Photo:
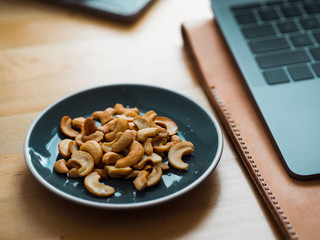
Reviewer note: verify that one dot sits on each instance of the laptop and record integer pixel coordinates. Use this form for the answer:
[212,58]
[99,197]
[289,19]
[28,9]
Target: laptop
[276,45]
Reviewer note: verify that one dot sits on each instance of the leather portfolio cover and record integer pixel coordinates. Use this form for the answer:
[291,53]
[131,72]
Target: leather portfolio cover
[294,204]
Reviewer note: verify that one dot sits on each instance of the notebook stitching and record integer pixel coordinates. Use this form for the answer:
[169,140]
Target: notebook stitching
[256,170]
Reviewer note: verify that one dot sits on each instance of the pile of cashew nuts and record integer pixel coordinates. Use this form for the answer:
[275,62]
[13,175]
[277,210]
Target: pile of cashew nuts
[120,143]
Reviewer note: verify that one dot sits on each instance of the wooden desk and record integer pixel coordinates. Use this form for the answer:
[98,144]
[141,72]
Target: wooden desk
[47,52]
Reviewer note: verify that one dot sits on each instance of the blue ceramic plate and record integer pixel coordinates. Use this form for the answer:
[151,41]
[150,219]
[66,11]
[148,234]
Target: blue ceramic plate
[195,123]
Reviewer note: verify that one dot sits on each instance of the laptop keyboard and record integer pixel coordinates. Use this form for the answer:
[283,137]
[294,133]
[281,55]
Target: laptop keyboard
[284,37]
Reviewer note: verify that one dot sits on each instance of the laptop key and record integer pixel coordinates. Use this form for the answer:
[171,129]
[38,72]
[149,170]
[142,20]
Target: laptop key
[245,18]
[310,23]
[315,53]
[281,59]
[300,73]
[269,45]
[316,68]
[290,11]
[288,27]
[267,15]
[258,31]
[317,36]
[312,8]
[301,40]
[276,76]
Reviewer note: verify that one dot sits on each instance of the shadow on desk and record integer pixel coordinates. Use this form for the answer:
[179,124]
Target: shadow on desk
[52,215]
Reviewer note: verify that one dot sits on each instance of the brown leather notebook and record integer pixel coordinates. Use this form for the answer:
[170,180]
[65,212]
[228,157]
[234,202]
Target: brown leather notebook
[294,204]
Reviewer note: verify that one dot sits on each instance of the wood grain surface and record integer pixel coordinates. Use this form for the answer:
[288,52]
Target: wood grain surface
[46,52]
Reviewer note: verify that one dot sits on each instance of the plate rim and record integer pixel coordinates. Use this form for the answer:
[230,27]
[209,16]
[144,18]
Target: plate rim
[90,203]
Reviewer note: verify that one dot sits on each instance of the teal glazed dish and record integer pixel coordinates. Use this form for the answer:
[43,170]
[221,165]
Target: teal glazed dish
[195,123]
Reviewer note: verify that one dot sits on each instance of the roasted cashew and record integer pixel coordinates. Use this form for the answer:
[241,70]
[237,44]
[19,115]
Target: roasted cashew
[94,149]
[92,184]
[135,153]
[144,133]
[107,146]
[124,141]
[73,146]
[147,145]
[114,172]
[64,148]
[163,165]
[160,146]
[155,176]
[97,136]
[65,127]
[104,116]
[167,123]
[132,126]
[130,112]
[141,122]
[148,167]
[150,117]
[101,172]
[89,126]
[78,139]
[60,166]
[81,164]
[176,153]
[117,125]
[77,123]
[140,182]
[161,135]
[132,174]
[154,158]
[111,158]
[127,118]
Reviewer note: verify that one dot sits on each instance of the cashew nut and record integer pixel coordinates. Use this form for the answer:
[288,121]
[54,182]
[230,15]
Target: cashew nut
[132,174]
[78,139]
[77,123]
[81,164]
[97,136]
[162,146]
[111,158]
[101,172]
[135,153]
[154,158]
[92,184]
[176,153]
[114,172]
[141,122]
[127,118]
[144,133]
[155,176]
[61,166]
[73,146]
[140,182]
[130,112]
[89,126]
[163,165]
[170,125]
[147,145]
[107,146]
[124,141]
[117,125]
[150,117]
[94,149]
[104,116]
[65,127]
[162,134]
[64,148]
